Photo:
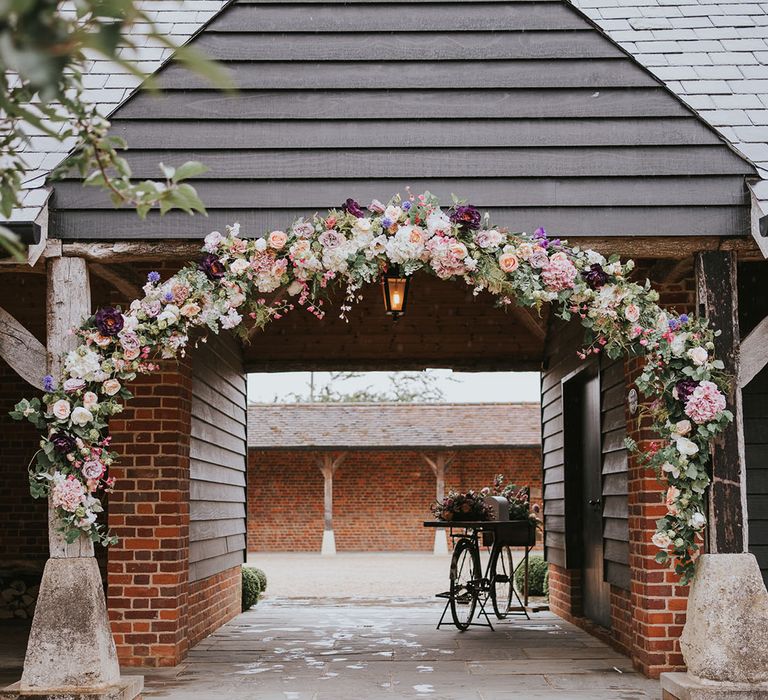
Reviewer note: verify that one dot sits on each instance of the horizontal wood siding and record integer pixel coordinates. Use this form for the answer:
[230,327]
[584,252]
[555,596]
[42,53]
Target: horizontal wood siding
[217,458]
[561,360]
[615,502]
[522,107]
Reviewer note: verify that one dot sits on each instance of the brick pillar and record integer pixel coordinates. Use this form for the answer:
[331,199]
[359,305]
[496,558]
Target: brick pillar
[148,571]
[657,601]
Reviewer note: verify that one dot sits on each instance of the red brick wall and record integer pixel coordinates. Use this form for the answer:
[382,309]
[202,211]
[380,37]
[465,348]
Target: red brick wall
[148,571]
[212,602]
[392,489]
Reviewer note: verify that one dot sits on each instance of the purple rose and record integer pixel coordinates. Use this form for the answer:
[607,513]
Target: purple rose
[109,321]
[212,267]
[466,216]
[685,387]
[352,207]
[595,277]
[63,443]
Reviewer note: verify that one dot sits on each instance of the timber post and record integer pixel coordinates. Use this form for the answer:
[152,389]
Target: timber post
[717,300]
[70,648]
[328,465]
[439,465]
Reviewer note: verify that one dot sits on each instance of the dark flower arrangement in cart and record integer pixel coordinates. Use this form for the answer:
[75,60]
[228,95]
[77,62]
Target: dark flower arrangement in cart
[457,506]
[519,499]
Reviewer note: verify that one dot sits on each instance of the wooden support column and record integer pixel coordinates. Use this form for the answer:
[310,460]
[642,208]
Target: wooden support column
[328,464]
[717,300]
[21,350]
[70,643]
[439,465]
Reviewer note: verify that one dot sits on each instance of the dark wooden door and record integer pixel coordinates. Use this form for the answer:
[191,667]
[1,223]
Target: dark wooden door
[596,592]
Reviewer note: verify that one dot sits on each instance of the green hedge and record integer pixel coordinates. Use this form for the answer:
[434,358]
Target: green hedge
[538,576]
[251,587]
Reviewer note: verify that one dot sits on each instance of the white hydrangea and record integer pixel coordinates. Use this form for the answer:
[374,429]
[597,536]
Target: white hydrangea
[336,259]
[438,222]
[407,244]
[83,363]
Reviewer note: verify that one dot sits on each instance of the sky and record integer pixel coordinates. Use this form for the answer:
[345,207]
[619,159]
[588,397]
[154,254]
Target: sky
[458,387]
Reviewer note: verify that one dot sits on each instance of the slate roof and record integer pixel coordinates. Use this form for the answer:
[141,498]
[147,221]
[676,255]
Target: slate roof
[392,425]
[107,85]
[712,54]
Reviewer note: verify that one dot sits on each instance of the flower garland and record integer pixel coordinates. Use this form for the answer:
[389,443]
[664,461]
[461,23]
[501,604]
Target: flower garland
[352,246]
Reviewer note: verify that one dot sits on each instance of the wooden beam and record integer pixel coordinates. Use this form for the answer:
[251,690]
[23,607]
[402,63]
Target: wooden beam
[652,247]
[21,350]
[328,464]
[68,303]
[718,301]
[134,251]
[754,353]
[531,321]
[671,271]
[439,466]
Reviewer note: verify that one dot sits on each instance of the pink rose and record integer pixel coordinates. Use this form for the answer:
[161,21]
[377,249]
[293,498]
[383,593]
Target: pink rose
[132,354]
[90,399]
[129,340]
[508,262]
[632,313]
[277,240]
[671,500]
[92,469]
[110,387]
[61,409]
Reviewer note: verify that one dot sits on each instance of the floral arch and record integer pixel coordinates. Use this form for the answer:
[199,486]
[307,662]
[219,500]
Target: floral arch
[353,246]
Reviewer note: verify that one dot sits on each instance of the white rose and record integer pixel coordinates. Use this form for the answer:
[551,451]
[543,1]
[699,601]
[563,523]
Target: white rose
[81,416]
[169,315]
[678,344]
[686,447]
[438,222]
[61,409]
[260,244]
[111,387]
[670,468]
[697,521]
[130,322]
[594,258]
[683,427]
[362,226]
[661,540]
[90,399]
[698,355]
[239,266]
[393,213]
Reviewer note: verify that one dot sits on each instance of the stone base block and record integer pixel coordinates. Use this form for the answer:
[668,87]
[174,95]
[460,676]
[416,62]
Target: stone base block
[127,688]
[681,686]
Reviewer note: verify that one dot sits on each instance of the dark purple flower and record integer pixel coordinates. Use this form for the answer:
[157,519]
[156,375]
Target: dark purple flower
[109,321]
[212,267]
[466,216]
[540,232]
[595,277]
[63,443]
[153,277]
[685,387]
[352,207]
[48,383]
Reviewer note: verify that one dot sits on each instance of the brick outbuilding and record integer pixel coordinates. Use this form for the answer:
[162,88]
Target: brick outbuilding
[377,467]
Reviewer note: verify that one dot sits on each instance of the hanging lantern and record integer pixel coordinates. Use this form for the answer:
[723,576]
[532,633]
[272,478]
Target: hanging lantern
[394,285]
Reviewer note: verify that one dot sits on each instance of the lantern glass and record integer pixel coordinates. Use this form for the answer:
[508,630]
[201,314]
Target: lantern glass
[395,289]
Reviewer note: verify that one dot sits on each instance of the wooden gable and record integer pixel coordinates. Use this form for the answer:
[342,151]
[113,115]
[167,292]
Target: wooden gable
[522,107]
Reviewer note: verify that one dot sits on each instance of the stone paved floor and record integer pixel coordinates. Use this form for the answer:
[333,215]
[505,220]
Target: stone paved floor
[369,649]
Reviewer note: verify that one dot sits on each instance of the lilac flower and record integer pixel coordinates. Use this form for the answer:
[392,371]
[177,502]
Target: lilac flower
[684,318]
[153,277]
[352,207]
[109,321]
[466,216]
[48,384]
[540,232]
[406,205]
[595,276]
[168,296]
[556,242]
[386,222]
[63,443]
[212,267]
[673,324]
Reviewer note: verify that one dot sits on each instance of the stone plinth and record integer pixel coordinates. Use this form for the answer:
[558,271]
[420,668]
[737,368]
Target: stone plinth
[683,686]
[127,688]
[70,644]
[725,637]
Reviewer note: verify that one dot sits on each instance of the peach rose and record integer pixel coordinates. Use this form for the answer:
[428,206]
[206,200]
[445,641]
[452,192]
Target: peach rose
[277,240]
[508,262]
[111,387]
[189,310]
[90,399]
[61,409]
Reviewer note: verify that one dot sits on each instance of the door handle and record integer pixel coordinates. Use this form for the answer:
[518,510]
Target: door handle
[594,502]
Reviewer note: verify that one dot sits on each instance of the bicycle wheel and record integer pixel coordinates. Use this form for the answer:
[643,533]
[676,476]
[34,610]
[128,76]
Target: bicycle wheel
[465,582]
[502,581]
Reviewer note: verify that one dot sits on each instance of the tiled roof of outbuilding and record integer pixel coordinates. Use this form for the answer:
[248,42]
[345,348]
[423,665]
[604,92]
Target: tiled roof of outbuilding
[393,425]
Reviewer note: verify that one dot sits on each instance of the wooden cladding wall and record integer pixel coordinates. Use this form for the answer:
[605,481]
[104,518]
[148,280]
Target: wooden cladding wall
[217,458]
[562,515]
[755,398]
[615,502]
[524,108]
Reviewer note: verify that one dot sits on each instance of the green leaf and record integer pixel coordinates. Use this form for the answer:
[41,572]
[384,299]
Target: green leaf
[189,169]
